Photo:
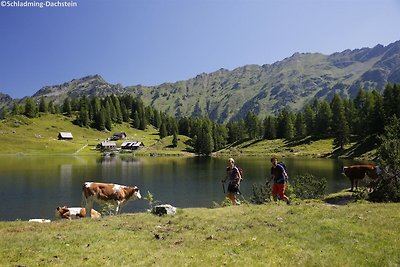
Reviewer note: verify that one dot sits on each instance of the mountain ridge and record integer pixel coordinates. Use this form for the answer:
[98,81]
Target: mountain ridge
[225,95]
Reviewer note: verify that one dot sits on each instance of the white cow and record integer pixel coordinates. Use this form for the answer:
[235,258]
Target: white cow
[114,194]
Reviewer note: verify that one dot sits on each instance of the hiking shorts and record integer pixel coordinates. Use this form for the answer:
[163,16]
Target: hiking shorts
[233,188]
[279,190]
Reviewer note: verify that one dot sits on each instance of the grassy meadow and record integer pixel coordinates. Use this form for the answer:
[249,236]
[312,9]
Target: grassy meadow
[21,135]
[308,233]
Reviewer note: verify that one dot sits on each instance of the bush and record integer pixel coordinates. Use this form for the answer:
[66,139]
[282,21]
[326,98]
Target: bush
[261,194]
[387,187]
[308,186]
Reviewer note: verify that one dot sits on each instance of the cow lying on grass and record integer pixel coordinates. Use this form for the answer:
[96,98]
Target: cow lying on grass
[114,194]
[358,172]
[75,213]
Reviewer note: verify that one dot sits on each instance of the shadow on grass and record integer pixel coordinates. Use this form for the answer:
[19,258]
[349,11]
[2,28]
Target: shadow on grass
[303,141]
[342,198]
[358,149]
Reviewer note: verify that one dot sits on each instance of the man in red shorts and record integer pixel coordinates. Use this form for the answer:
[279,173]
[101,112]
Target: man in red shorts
[280,177]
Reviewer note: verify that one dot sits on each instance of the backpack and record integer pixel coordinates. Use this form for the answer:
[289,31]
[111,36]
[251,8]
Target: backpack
[284,166]
[240,172]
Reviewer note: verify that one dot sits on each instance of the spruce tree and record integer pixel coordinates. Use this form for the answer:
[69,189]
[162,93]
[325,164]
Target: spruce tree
[340,128]
[300,126]
[30,108]
[43,105]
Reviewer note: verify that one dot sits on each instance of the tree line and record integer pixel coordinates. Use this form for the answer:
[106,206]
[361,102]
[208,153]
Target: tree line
[340,118]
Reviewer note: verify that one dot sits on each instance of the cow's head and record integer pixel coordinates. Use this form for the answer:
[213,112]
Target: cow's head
[60,211]
[374,173]
[136,193]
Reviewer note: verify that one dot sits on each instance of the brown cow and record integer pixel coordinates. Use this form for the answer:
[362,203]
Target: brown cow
[358,172]
[114,194]
[74,213]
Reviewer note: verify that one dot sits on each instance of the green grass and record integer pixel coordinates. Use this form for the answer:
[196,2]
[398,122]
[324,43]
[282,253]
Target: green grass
[298,148]
[306,234]
[21,135]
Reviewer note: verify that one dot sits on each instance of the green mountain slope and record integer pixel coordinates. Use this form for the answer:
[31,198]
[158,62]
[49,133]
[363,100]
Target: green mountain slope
[224,95]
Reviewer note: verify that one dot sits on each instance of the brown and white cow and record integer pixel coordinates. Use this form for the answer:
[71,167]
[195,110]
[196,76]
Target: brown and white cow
[358,172]
[75,213]
[114,194]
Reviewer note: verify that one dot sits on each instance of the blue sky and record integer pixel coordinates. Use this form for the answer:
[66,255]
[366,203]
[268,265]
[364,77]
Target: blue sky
[154,41]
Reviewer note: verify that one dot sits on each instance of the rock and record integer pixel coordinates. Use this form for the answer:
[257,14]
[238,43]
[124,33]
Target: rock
[40,220]
[165,209]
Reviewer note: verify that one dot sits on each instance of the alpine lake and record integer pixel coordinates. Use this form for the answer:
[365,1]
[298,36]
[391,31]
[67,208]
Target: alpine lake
[34,186]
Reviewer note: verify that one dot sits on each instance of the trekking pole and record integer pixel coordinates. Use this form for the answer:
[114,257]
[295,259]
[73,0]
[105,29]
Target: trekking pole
[223,187]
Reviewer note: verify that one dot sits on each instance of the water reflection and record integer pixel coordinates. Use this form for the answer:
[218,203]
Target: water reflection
[33,186]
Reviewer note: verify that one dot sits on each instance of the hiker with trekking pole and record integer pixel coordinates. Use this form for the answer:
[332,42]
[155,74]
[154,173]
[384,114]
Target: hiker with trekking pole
[280,177]
[233,174]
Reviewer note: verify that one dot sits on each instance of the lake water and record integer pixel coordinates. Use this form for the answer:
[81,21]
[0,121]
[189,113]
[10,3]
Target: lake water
[33,186]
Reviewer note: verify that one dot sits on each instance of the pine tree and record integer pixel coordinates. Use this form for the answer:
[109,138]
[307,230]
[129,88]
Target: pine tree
[51,108]
[300,126]
[163,129]
[43,105]
[309,119]
[125,113]
[83,117]
[251,124]
[16,109]
[136,120]
[270,128]
[175,140]
[30,108]
[323,120]
[67,109]
[340,128]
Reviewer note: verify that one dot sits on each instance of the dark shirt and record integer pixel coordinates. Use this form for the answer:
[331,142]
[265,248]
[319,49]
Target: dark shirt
[278,173]
[232,174]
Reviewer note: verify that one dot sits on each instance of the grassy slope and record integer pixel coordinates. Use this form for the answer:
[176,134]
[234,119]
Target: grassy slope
[307,234]
[300,148]
[21,135]
[39,136]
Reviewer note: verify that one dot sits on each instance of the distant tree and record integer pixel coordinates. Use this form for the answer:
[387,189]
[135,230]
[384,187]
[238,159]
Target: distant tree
[309,119]
[236,131]
[43,107]
[251,122]
[350,114]
[300,126]
[163,129]
[125,113]
[391,100]
[340,128]
[269,128]
[67,109]
[136,120]
[285,125]
[83,117]
[184,126]
[220,136]
[157,119]
[51,107]
[172,125]
[175,140]
[377,115]
[323,120]
[204,142]
[17,109]
[30,108]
